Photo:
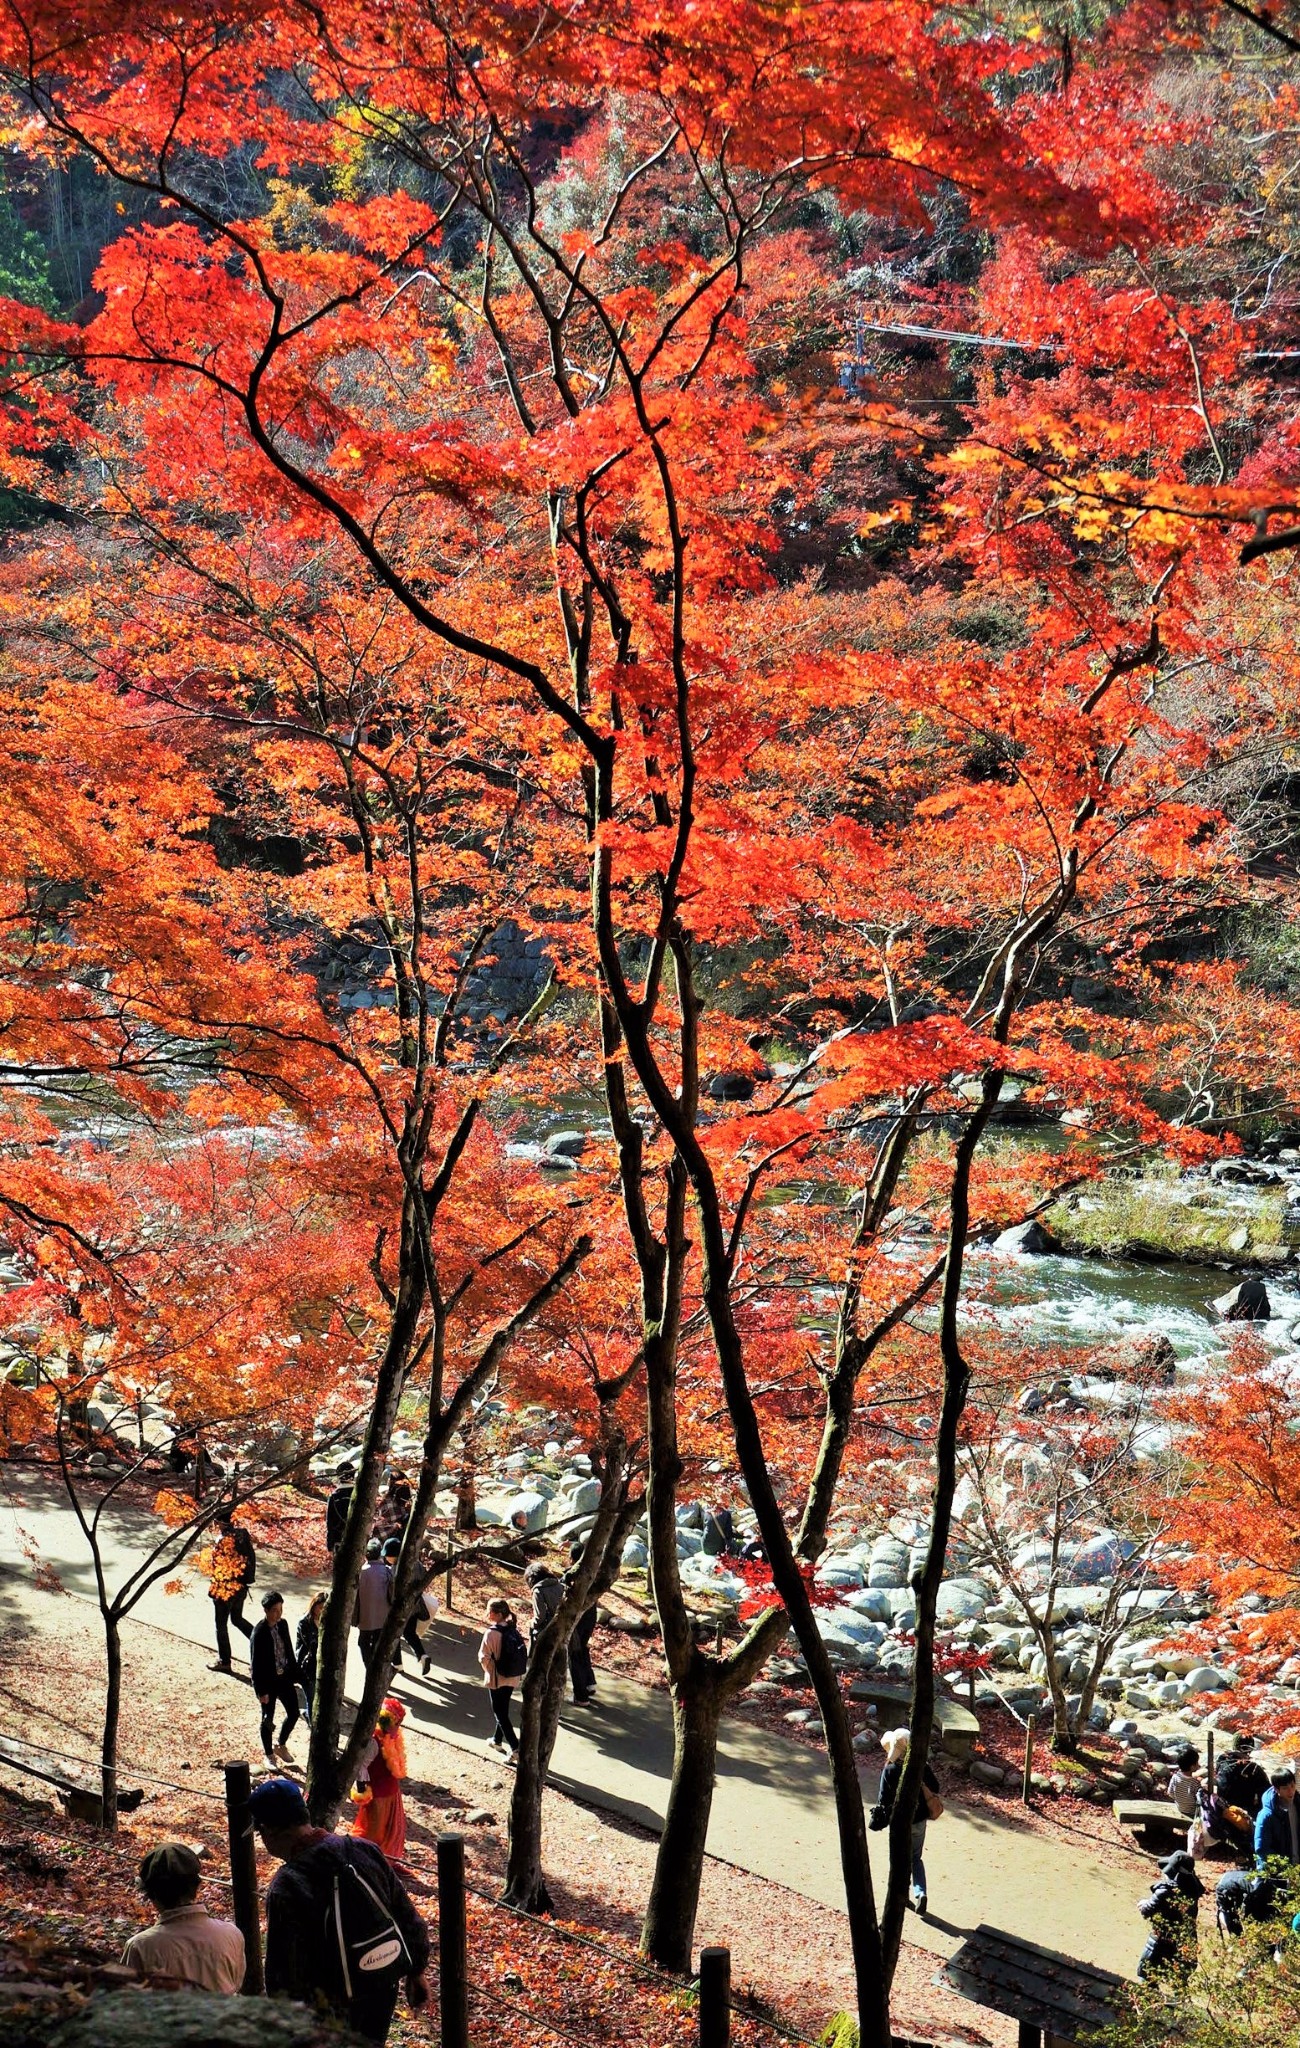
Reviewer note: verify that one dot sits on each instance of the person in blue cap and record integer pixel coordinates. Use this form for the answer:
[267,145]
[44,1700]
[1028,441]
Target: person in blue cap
[342,1933]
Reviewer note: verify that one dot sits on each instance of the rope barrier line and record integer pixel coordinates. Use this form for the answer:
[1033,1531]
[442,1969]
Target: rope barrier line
[550,1927]
[93,1763]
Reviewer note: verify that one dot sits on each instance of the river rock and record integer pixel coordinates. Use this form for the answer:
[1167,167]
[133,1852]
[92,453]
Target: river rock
[986,1773]
[1207,1678]
[528,1512]
[1100,1558]
[1033,1239]
[888,1565]
[585,1499]
[839,1573]
[960,1600]
[1248,1303]
[567,1145]
[872,1601]
[635,1555]
[730,1086]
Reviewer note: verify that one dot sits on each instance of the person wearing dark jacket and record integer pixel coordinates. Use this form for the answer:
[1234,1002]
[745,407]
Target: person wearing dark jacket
[582,1672]
[275,1674]
[234,1571]
[337,1508]
[1239,1784]
[894,1745]
[1277,1826]
[302,1964]
[1171,1908]
[1239,1780]
[306,1649]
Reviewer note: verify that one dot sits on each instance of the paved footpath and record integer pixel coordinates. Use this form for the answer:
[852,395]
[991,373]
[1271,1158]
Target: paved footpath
[773,1812]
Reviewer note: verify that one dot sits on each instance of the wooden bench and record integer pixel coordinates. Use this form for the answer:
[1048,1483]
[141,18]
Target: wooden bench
[1155,1823]
[956,1726]
[80,1793]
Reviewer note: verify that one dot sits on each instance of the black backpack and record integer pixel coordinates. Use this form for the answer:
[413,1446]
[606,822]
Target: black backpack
[512,1662]
[361,1936]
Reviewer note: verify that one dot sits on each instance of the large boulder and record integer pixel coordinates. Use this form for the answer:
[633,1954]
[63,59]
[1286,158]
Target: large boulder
[191,2019]
[1207,1678]
[961,1600]
[1248,1303]
[635,1556]
[1032,1240]
[566,1145]
[528,1513]
[889,1563]
[872,1601]
[585,1497]
[1100,1558]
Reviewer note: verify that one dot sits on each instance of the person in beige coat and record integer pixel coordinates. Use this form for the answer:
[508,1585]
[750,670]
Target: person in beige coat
[184,1944]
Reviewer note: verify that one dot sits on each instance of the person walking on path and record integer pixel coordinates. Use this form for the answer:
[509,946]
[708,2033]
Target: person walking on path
[341,1930]
[547,1591]
[1171,1909]
[184,1943]
[233,1571]
[395,1508]
[390,1552]
[374,1598]
[338,1507]
[1277,1826]
[381,1815]
[503,1655]
[928,1807]
[275,1675]
[582,1672]
[306,1649]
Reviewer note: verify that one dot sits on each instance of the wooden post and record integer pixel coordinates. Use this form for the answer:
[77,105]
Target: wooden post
[970,1690]
[243,1874]
[453,1988]
[139,1421]
[1027,1782]
[715,1997]
[720,1639]
[446,1590]
[1029,2035]
[1209,1759]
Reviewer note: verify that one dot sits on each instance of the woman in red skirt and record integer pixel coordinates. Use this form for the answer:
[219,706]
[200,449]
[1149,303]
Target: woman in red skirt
[381,1816]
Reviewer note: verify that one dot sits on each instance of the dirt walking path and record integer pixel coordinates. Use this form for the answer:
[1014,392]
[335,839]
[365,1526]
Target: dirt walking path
[773,1814]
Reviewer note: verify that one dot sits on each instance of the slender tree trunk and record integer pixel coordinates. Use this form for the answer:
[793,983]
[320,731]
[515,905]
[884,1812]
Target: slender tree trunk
[668,1931]
[543,1688]
[325,1783]
[539,1720]
[112,1717]
[956,1385]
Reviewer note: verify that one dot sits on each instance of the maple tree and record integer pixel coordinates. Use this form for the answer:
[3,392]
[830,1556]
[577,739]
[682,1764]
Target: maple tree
[545,434]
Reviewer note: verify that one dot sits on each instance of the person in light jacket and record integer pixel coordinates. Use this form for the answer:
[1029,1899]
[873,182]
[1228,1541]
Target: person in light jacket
[374,1598]
[895,1744]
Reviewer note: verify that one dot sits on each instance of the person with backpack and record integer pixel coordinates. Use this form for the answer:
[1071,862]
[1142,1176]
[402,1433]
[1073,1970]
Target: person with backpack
[1171,1908]
[929,1806]
[503,1654]
[342,1934]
